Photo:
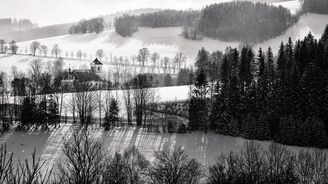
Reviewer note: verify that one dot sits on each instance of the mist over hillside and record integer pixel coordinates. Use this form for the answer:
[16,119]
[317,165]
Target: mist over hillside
[35,32]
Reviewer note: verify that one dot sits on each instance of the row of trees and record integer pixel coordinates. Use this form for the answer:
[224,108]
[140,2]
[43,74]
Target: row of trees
[11,46]
[35,47]
[85,161]
[95,25]
[43,49]
[8,24]
[42,112]
[260,97]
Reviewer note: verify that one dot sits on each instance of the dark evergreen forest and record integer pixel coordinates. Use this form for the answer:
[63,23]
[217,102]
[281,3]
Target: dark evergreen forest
[95,25]
[259,96]
[244,21]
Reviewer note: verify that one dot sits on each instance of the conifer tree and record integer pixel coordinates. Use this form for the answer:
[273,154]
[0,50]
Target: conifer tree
[202,61]
[245,71]
[198,110]
[112,117]
[53,111]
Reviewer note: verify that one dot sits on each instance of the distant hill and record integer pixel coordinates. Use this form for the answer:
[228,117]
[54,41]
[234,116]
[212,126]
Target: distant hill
[58,29]
[243,21]
[35,33]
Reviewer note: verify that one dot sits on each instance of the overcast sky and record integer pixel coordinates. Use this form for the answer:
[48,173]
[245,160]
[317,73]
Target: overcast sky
[47,12]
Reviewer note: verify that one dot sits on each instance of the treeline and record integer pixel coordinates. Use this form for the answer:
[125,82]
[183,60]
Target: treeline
[166,18]
[42,112]
[86,161]
[231,21]
[244,21]
[127,24]
[315,6]
[259,97]
[8,24]
[95,25]
[35,33]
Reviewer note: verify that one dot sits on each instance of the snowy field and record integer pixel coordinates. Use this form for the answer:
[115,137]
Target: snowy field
[161,94]
[292,5]
[165,41]
[203,147]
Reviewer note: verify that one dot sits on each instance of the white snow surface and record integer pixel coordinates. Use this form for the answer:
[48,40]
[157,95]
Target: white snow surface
[48,144]
[293,5]
[165,41]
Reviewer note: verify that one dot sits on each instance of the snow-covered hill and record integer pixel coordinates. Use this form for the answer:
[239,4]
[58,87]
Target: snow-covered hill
[165,41]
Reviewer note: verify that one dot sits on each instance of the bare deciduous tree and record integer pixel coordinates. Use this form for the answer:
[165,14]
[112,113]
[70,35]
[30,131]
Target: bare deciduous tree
[154,58]
[166,64]
[100,54]
[79,54]
[179,59]
[143,56]
[56,50]
[34,47]
[44,50]
[175,168]
[143,94]
[136,166]
[58,66]
[35,72]
[27,171]
[127,96]
[2,46]
[13,47]
[83,162]
[86,102]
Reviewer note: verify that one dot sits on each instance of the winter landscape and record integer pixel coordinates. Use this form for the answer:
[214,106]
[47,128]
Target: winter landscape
[164,92]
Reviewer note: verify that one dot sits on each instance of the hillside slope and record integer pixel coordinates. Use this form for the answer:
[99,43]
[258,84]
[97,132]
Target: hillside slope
[167,41]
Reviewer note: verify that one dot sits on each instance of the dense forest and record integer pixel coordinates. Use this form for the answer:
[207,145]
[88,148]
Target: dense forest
[95,25]
[244,21]
[315,6]
[259,97]
[127,24]
[166,18]
[232,21]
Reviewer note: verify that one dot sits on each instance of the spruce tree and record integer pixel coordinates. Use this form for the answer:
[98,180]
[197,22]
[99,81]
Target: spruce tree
[289,54]
[202,61]
[262,81]
[53,111]
[28,112]
[198,109]
[245,71]
[112,117]
[324,37]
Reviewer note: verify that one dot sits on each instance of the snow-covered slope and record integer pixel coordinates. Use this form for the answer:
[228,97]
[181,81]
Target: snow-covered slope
[314,23]
[165,41]
[293,5]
